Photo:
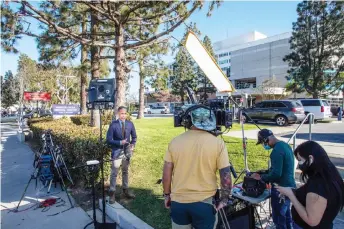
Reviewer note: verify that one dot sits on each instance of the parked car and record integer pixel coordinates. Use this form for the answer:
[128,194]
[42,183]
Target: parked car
[146,110]
[159,110]
[282,112]
[9,118]
[319,107]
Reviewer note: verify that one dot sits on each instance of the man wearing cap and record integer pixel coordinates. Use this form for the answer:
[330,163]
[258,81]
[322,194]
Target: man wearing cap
[194,158]
[281,173]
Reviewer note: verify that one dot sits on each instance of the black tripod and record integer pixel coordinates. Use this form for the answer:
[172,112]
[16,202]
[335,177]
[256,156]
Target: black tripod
[93,169]
[48,150]
[35,176]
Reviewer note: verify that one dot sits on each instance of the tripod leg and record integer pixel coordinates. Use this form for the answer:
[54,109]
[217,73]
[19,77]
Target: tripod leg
[63,187]
[51,181]
[24,193]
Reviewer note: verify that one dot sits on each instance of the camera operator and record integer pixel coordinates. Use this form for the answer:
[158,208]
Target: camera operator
[118,136]
[194,158]
[281,173]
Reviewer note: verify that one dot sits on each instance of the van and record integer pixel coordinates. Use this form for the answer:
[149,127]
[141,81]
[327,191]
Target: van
[319,107]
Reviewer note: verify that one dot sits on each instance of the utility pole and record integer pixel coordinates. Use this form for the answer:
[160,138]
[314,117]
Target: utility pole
[66,88]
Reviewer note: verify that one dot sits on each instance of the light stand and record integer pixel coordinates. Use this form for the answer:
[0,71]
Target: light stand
[104,225]
[93,168]
[242,117]
[244,141]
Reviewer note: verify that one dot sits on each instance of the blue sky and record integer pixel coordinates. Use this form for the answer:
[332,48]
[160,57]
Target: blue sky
[231,19]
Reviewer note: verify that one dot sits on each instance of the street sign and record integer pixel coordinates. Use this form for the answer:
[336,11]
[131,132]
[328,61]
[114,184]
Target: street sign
[37,96]
[65,109]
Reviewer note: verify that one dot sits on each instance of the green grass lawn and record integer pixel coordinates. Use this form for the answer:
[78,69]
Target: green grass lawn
[154,136]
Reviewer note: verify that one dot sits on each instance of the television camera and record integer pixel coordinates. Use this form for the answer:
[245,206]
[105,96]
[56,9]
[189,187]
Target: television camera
[216,108]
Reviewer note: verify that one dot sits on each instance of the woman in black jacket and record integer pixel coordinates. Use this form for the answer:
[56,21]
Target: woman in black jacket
[317,203]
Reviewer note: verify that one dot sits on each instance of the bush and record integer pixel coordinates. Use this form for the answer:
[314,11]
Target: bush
[81,119]
[86,119]
[35,120]
[79,144]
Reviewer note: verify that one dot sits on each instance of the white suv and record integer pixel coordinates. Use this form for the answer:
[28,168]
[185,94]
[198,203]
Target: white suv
[319,107]
[159,110]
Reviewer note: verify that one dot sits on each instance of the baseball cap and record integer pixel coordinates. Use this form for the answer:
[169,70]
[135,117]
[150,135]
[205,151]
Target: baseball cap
[203,118]
[263,134]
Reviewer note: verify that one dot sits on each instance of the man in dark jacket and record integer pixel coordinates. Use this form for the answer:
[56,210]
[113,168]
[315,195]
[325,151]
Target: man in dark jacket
[281,173]
[122,138]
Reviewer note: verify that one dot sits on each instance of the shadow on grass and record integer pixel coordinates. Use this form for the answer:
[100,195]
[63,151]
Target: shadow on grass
[148,206]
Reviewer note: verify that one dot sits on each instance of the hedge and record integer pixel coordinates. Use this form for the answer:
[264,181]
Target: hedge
[85,119]
[79,144]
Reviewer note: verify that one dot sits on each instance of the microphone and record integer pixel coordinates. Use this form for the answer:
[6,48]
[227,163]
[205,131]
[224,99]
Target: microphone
[233,171]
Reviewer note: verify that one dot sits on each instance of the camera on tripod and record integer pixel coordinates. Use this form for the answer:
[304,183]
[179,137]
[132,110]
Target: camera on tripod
[216,107]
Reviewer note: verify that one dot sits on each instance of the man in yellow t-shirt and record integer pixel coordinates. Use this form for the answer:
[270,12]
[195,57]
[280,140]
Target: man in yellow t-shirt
[191,162]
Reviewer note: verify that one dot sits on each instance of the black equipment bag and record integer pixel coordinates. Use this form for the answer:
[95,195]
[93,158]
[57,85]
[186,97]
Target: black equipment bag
[253,187]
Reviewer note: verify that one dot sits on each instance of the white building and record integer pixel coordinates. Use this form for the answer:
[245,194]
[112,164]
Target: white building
[252,60]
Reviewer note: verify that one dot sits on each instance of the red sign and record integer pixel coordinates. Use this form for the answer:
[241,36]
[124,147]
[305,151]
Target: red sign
[37,96]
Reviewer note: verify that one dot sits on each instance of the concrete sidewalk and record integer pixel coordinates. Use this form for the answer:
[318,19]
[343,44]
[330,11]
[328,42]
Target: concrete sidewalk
[16,169]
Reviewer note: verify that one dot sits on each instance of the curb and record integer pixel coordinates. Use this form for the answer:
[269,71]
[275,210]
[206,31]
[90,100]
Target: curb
[298,173]
[124,218]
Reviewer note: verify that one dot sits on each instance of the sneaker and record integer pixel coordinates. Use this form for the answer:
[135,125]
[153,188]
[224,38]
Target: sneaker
[128,194]
[112,197]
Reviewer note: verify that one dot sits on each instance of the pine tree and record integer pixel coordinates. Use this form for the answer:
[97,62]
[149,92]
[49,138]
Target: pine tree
[128,25]
[9,90]
[184,69]
[150,65]
[204,84]
[317,48]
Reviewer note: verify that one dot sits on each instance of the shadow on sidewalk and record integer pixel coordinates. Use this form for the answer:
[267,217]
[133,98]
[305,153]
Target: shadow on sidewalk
[324,137]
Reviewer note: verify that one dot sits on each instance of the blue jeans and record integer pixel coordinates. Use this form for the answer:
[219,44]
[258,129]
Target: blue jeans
[281,213]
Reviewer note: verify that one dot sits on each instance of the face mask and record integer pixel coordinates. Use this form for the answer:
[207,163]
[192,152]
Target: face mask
[305,165]
[302,165]
[266,147]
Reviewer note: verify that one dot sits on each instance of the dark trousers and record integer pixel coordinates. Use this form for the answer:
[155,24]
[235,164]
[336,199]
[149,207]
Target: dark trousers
[198,215]
[281,213]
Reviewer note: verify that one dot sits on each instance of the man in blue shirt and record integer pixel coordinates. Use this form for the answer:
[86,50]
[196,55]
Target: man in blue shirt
[281,173]
[121,136]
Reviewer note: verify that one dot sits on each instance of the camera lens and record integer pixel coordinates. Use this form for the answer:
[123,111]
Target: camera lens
[101,88]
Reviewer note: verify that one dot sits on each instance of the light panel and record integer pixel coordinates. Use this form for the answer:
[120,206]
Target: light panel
[207,64]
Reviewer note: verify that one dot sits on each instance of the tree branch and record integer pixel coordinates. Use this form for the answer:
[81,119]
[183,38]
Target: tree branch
[152,39]
[160,14]
[44,19]
[108,14]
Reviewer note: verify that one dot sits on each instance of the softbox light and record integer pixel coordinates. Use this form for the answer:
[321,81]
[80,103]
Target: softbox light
[207,63]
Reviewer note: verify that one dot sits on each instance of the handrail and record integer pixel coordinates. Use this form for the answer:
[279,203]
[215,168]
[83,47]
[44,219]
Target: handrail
[310,121]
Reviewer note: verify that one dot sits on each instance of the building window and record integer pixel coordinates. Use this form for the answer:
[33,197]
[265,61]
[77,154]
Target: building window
[223,62]
[223,54]
[247,83]
[224,69]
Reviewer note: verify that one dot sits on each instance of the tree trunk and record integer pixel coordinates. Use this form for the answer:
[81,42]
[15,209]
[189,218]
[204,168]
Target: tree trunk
[120,69]
[141,91]
[83,75]
[95,63]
